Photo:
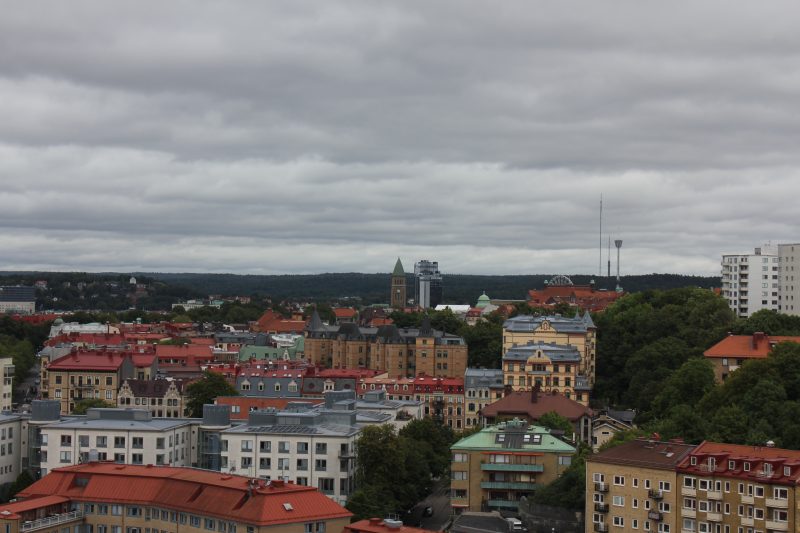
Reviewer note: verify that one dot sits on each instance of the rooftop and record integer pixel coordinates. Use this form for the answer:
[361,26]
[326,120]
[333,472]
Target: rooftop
[184,489]
[533,406]
[645,453]
[514,435]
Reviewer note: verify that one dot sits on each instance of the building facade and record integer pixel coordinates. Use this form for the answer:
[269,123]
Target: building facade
[496,467]
[442,398]
[101,497]
[789,283]
[734,350]
[15,299]
[555,348]
[751,282]
[635,487]
[481,387]
[398,351]
[164,398]
[125,436]
[7,364]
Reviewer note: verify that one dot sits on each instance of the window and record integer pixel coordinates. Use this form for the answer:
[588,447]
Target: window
[462,458]
[264,463]
[137,459]
[321,448]
[320,465]
[780,494]
[618,501]
[194,521]
[302,447]
[137,442]
[208,523]
[458,476]
[65,457]
[247,446]
[619,521]
[265,446]
[247,462]
[66,440]
[116,510]
[666,486]
[134,510]
[119,442]
[283,446]
[302,464]
[83,441]
[619,480]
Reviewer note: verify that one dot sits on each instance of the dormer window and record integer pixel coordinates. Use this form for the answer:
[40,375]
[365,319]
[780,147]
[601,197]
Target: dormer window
[712,463]
[746,466]
[787,471]
[693,460]
[767,469]
[731,465]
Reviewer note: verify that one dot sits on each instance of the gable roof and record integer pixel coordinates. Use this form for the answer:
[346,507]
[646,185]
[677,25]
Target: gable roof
[645,453]
[522,403]
[755,346]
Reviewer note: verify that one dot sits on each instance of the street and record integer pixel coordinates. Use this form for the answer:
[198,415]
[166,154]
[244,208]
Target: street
[439,502]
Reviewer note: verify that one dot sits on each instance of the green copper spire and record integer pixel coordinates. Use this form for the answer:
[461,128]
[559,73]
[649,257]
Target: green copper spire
[398,269]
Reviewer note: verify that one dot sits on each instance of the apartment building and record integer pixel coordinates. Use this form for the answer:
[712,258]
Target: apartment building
[442,398]
[751,282]
[551,367]
[729,488]
[578,332]
[313,447]
[7,364]
[635,487]
[398,351]
[84,374]
[496,467]
[164,398]
[130,436]
[482,386]
[11,447]
[730,353]
[102,497]
[789,283]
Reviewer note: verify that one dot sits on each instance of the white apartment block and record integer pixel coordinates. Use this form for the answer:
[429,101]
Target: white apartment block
[750,282]
[130,436]
[7,365]
[789,285]
[308,446]
[10,447]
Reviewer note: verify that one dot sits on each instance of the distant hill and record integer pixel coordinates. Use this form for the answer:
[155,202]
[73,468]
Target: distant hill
[109,290]
[374,288]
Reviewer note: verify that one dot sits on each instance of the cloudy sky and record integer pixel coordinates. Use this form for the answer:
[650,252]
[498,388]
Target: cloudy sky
[301,137]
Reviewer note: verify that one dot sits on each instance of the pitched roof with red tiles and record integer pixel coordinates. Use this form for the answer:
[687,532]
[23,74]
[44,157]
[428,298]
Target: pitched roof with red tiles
[271,321]
[744,462]
[97,339]
[184,351]
[344,312]
[378,525]
[188,490]
[102,361]
[522,403]
[420,384]
[755,346]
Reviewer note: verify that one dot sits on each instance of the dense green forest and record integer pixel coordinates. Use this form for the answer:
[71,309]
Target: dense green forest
[112,292]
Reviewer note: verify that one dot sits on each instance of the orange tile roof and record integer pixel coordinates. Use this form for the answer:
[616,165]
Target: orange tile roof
[522,403]
[756,456]
[344,312]
[190,490]
[377,525]
[755,346]
[29,505]
[102,361]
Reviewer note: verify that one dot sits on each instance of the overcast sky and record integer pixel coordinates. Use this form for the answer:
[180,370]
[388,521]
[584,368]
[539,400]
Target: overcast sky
[303,137]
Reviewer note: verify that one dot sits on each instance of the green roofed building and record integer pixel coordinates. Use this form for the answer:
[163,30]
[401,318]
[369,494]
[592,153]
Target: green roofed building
[494,468]
[273,353]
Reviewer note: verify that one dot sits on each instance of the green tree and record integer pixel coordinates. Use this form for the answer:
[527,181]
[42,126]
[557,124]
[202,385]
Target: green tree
[569,489]
[84,405]
[205,390]
[553,420]
[23,481]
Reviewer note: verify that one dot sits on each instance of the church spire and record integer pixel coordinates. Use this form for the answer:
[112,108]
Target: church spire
[398,269]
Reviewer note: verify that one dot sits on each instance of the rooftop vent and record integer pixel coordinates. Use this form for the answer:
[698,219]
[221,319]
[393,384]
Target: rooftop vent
[288,506]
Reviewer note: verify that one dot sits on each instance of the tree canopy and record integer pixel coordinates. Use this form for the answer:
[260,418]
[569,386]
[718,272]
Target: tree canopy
[205,390]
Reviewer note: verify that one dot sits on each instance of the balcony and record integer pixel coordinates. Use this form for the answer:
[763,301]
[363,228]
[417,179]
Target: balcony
[510,485]
[747,521]
[601,527]
[714,517]
[688,491]
[777,503]
[510,467]
[655,516]
[51,521]
[506,504]
[601,507]
[688,513]
[748,499]
[601,487]
[656,494]
[777,526]
[714,495]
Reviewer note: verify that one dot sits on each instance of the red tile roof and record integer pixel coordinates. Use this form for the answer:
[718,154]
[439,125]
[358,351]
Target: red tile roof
[344,312]
[377,525]
[189,490]
[421,384]
[184,351]
[521,403]
[755,346]
[583,296]
[29,505]
[645,453]
[102,361]
[754,456]
[273,322]
[98,339]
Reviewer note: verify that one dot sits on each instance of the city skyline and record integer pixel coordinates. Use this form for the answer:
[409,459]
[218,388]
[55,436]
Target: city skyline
[302,138]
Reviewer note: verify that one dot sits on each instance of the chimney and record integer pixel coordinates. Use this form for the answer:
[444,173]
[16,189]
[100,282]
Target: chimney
[758,336]
[535,393]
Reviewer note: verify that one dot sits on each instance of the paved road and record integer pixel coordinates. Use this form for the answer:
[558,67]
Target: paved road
[439,501]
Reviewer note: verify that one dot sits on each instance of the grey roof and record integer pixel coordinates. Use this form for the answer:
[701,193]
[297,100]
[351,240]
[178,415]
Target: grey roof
[471,522]
[387,334]
[582,383]
[558,353]
[527,323]
[17,294]
[483,377]
[333,430]
[626,415]
[242,337]
[122,420]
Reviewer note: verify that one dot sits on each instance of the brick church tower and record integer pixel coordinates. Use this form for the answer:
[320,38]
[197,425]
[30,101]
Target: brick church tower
[398,297]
